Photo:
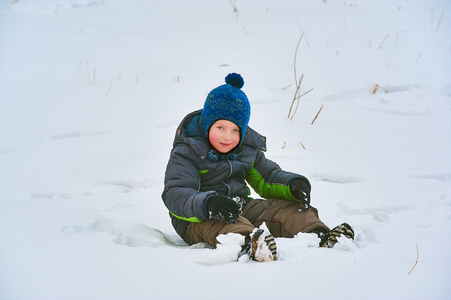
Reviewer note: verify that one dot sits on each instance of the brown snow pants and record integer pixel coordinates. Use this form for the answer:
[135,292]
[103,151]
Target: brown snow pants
[282,217]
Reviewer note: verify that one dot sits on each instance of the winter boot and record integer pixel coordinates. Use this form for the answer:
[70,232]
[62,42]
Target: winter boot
[261,246]
[328,240]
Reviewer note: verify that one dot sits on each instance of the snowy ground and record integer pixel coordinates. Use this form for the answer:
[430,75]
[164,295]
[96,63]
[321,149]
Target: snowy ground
[91,93]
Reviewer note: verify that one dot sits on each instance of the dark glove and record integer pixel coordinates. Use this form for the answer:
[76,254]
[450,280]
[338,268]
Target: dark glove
[224,208]
[301,191]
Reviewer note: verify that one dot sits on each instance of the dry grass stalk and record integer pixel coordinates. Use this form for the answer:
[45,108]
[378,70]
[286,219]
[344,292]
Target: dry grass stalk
[298,85]
[383,41]
[297,98]
[303,34]
[98,181]
[87,69]
[295,55]
[93,74]
[439,21]
[235,10]
[111,85]
[376,87]
[346,26]
[287,86]
[320,109]
[302,145]
[418,254]
[9,8]
[284,144]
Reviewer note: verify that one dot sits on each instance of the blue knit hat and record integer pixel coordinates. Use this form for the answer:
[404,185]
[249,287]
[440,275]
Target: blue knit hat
[227,102]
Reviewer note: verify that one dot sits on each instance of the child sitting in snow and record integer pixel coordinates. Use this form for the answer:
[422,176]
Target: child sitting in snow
[214,154]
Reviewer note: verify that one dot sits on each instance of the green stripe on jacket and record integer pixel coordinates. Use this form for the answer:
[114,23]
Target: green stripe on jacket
[192,219]
[266,190]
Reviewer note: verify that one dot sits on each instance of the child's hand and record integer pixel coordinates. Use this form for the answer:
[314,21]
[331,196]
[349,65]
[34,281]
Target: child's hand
[301,191]
[224,208]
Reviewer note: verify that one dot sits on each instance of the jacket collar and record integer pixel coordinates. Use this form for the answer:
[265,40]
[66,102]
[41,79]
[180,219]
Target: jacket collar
[190,132]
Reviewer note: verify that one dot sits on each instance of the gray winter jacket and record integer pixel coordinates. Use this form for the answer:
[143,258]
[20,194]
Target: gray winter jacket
[196,171]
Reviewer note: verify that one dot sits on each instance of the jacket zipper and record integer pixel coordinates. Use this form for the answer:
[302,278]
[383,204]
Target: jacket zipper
[230,164]
[230,174]
[228,188]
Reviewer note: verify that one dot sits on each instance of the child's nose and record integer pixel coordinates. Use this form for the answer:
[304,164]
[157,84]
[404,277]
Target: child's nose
[227,135]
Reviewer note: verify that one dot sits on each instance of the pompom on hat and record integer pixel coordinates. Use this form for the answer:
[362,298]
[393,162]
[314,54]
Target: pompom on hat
[227,102]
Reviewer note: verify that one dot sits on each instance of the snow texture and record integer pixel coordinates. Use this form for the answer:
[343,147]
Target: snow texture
[91,93]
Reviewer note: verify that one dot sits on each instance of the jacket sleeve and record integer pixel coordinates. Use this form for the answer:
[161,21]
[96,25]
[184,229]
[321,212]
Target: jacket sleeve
[270,181]
[181,193]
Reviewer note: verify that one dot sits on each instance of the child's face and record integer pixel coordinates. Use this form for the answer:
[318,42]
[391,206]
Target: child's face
[224,135]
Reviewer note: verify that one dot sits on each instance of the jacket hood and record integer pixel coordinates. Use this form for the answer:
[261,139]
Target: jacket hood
[190,132]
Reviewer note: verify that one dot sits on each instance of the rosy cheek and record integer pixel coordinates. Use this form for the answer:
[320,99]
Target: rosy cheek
[236,140]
